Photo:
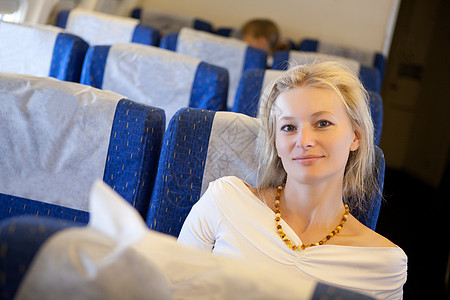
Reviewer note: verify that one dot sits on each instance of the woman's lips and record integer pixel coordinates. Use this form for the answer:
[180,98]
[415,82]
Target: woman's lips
[307,159]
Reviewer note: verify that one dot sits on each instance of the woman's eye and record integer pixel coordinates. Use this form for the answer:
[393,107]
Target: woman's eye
[323,123]
[288,128]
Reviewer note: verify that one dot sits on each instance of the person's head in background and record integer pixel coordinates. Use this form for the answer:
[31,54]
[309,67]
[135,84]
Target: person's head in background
[262,34]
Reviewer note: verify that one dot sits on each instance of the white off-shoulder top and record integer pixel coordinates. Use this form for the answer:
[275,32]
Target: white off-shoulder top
[230,220]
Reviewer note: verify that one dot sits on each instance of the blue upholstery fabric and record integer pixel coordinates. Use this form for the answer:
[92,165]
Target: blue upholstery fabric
[371,79]
[11,206]
[180,170]
[21,239]
[249,92]
[280,60]
[380,64]
[169,41]
[210,88]
[324,291]
[224,31]
[94,66]
[202,25]
[133,153]
[146,35]
[369,216]
[136,13]
[308,45]
[255,59]
[376,110]
[61,18]
[68,56]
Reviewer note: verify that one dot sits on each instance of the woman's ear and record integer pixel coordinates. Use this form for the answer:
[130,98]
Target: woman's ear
[356,141]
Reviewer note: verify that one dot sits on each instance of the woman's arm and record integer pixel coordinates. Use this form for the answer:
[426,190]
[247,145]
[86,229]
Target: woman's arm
[200,227]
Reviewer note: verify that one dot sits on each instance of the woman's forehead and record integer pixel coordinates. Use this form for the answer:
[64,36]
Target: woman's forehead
[308,100]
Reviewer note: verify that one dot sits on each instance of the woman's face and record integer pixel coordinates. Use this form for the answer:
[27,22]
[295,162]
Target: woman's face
[313,134]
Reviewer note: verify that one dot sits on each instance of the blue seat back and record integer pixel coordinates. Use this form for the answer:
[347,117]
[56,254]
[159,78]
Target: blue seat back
[376,111]
[169,41]
[159,75]
[369,59]
[232,54]
[61,136]
[369,76]
[201,146]
[225,31]
[23,237]
[249,91]
[41,51]
[103,29]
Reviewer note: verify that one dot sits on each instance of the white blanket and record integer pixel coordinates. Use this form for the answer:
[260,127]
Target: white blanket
[55,138]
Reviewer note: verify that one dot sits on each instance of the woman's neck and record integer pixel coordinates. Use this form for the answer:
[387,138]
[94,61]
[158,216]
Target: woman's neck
[313,204]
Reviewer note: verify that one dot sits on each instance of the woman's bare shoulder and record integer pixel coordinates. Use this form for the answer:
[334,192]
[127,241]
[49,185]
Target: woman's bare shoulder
[252,189]
[262,195]
[361,236]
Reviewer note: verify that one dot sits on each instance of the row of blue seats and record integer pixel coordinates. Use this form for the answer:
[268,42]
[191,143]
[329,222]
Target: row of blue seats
[102,29]
[174,22]
[98,29]
[59,137]
[372,62]
[136,71]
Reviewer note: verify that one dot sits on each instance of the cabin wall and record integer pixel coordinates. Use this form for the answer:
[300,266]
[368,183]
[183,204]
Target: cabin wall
[365,24]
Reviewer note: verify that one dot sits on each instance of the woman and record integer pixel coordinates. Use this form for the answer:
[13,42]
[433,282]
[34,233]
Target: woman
[316,164]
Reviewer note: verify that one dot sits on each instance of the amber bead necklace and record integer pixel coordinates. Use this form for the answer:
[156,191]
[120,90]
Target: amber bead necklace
[303,247]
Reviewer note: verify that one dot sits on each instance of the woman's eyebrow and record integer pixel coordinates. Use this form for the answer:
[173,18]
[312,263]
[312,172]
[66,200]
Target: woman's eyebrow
[316,114]
[322,112]
[286,118]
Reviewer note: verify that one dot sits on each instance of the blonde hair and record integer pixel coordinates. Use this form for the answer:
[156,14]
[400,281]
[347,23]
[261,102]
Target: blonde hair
[359,179]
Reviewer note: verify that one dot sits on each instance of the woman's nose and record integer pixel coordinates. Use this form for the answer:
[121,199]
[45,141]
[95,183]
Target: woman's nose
[305,138]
